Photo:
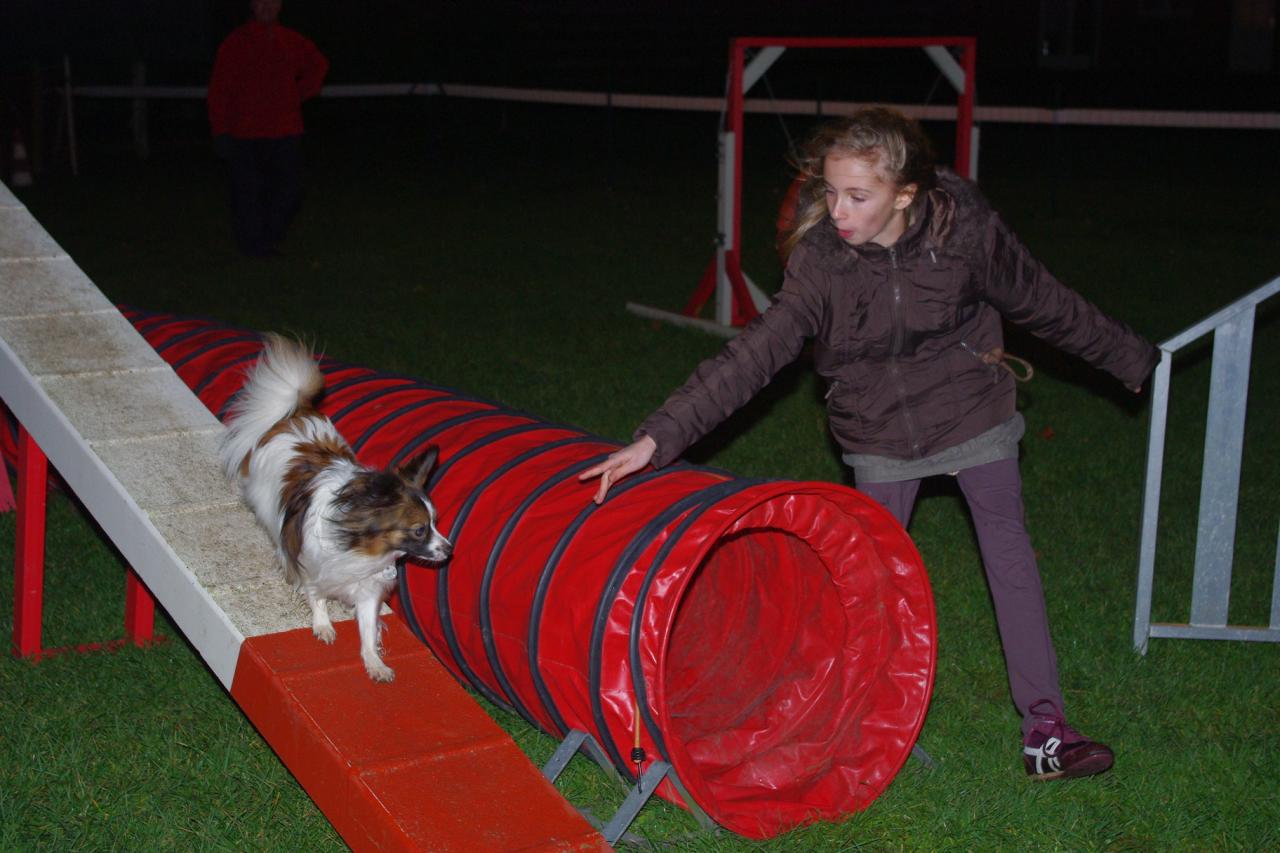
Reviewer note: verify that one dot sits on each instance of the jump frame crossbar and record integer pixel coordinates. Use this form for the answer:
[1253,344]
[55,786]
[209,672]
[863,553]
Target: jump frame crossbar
[737,298]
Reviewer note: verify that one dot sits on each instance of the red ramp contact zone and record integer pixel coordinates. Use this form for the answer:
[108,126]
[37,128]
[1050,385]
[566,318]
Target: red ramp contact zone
[414,764]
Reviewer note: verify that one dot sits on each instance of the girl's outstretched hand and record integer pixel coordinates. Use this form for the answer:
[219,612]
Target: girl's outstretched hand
[620,463]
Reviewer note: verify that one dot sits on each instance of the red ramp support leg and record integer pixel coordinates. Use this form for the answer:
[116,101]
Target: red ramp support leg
[28,599]
[8,502]
[139,610]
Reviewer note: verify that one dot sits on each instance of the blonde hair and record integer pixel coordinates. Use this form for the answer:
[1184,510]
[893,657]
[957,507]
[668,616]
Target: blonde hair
[896,143]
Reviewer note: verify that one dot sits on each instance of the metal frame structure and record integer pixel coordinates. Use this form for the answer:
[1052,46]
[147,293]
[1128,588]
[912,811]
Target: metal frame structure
[615,829]
[1232,329]
[737,298]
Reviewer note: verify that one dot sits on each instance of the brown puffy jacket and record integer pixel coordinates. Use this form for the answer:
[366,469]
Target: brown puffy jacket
[898,334]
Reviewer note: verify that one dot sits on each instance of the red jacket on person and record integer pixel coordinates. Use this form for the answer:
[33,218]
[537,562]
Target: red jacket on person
[261,76]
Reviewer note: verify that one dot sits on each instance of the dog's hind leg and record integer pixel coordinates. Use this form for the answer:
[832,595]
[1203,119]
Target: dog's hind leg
[367,621]
[320,624]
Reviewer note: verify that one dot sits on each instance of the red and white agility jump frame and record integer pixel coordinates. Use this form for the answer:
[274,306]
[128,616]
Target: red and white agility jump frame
[737,298]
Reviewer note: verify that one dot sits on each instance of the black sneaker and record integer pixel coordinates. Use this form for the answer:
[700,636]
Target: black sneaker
[1054,750]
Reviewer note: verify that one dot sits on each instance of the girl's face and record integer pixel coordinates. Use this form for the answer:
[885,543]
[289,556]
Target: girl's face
[864,207]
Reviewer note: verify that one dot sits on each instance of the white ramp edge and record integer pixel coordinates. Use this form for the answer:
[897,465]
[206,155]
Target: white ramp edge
[135,445]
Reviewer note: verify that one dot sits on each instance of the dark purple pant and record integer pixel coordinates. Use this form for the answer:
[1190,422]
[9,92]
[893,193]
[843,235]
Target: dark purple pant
[994,494]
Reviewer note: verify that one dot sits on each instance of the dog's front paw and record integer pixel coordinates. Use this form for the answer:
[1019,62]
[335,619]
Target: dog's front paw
[380,672]
[325,633]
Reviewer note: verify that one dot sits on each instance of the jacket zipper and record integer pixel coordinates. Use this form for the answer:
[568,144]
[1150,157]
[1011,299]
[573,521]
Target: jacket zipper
[895,344]
[895,349]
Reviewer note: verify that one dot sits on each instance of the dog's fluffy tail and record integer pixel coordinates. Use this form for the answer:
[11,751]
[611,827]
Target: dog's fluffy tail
[284,380]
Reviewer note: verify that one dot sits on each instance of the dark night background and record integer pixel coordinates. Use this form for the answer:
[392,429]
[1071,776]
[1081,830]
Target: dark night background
[490,246]
[1167,54]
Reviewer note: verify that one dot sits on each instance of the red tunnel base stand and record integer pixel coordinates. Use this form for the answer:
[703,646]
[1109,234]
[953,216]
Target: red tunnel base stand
[410,765]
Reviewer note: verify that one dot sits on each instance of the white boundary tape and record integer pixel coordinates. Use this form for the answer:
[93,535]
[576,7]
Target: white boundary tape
[994,114]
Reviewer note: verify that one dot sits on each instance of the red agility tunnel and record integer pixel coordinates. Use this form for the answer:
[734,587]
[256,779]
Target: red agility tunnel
[776,639]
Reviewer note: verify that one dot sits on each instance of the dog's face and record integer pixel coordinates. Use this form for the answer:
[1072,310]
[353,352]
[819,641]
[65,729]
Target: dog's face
[388,514]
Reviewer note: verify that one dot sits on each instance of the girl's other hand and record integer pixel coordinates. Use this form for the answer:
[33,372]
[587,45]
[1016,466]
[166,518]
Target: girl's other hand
[620,463]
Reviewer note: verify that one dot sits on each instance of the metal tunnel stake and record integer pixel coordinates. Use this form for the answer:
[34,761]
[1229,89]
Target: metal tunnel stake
[615,828]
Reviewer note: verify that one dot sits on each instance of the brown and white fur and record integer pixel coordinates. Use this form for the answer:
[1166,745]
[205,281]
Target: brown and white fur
[339,527]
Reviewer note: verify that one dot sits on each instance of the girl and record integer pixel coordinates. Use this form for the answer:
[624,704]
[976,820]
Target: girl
[901,273]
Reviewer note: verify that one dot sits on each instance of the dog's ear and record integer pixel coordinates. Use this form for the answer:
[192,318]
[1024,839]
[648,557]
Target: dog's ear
[418,470]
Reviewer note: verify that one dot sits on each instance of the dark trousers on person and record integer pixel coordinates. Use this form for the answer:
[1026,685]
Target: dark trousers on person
[994,494]
[266,191]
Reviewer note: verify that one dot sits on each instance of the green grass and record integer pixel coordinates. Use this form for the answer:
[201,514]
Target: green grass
[469,245]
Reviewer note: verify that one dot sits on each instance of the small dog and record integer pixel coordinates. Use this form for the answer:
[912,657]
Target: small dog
[339,527]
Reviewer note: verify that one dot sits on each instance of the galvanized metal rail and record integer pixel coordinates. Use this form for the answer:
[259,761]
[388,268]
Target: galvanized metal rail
[1232,329]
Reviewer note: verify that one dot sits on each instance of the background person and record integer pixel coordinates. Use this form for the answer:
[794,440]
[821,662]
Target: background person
[261,75]
[901,273]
